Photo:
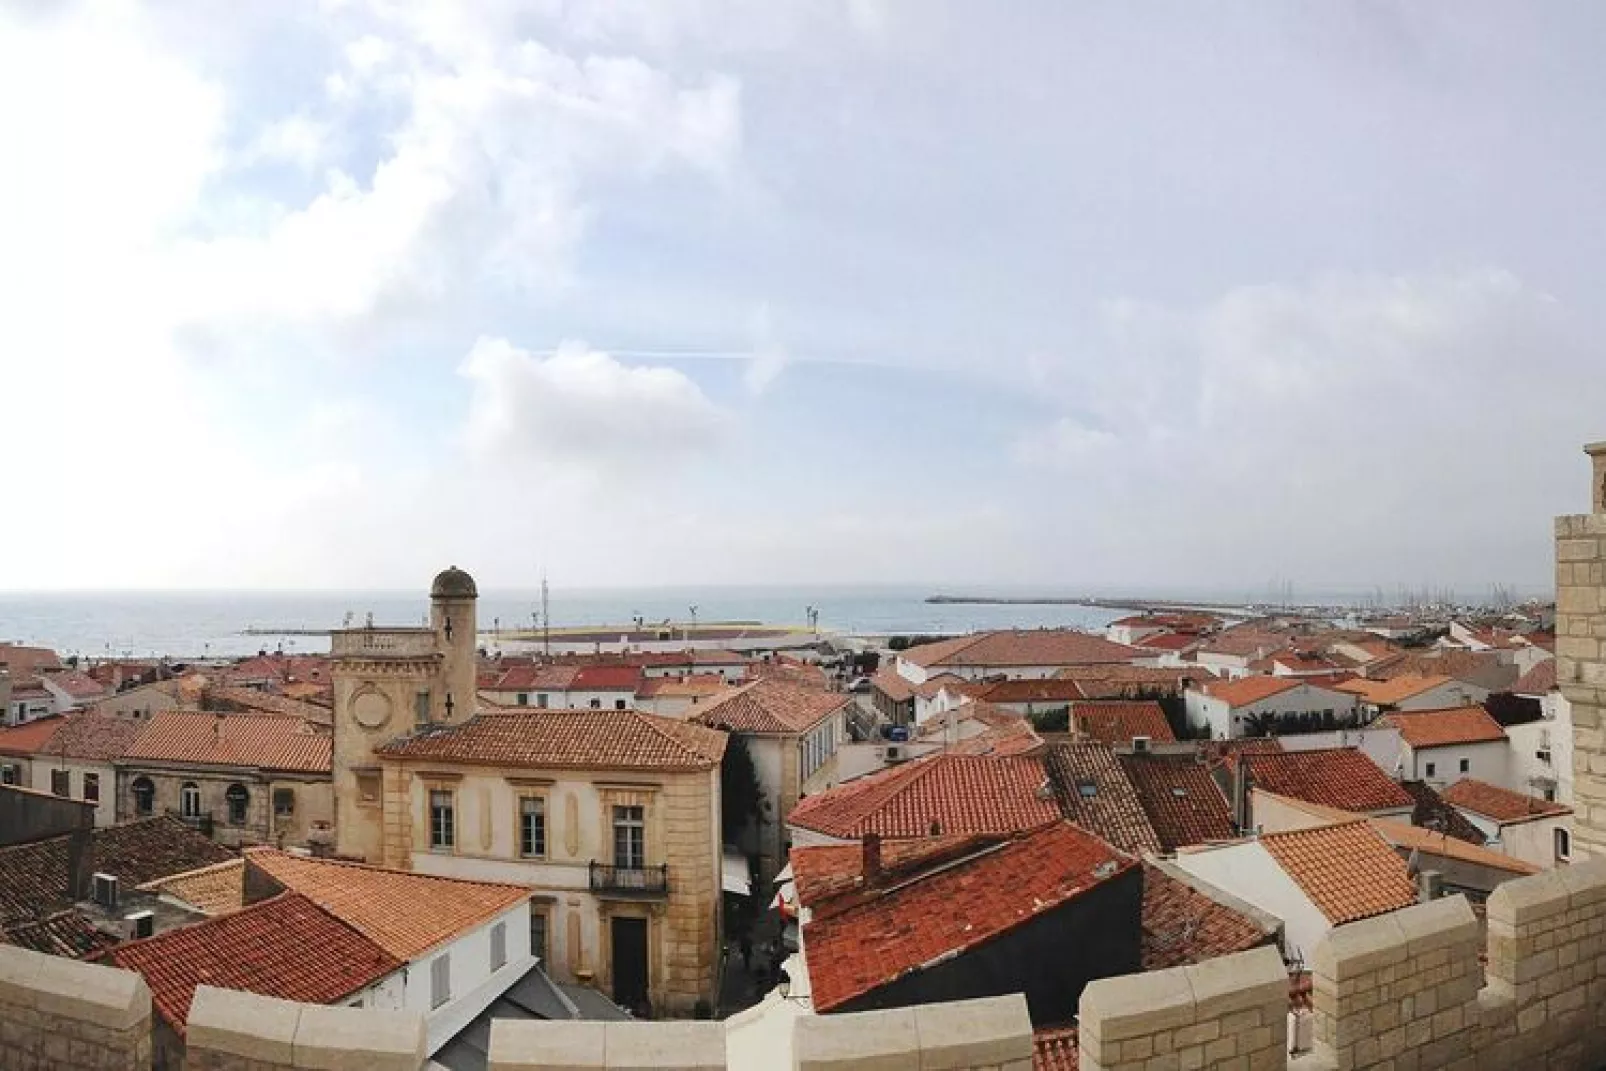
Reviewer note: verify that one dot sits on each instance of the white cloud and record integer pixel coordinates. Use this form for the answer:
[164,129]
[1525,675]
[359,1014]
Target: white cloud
[1066,442]
[581,409]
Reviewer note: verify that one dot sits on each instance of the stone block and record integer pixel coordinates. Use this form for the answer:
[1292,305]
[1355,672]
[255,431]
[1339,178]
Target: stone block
[1586,882]
[109,997]
[1526,901]
[1137,1004]
[1254,979]
[359,1039]
[857,1041]
[974,1033]
[1349,951]
[231,1023]
[1437,927]
[687,1046]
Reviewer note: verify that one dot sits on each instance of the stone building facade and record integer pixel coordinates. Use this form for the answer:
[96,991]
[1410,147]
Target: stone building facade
[1581,655]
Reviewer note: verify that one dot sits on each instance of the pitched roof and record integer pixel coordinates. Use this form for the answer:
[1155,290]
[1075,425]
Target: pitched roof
[606,679]
[953,794]
[68,933]
[36,874]
[94,737]
[1031,690]
[1119,682]
[78,685]
[892,684]
[1018,738]
[267,741]
[1117,721]
[403,912]
[1432,812]
[1440,728]
[1246,690]
[533,678]
[30,737]
[696,686]
[955,907]
[1335,777]
[1184,803]
[1347,869]
[1021,647]
[820,872]
[1540,680]
[21,661]
[1500,805]
[215,697]
[1168,641]
[1244,643]
[1183,924]
[771,706]
[565,739]
[1386,693]
[211,890]
[1093,791]
[286,947]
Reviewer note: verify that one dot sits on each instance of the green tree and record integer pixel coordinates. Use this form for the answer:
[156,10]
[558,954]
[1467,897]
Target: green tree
[741,799]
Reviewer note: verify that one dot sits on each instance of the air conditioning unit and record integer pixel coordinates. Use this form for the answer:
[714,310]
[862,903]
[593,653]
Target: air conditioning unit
[1140,744]
[105,891]
[140,924]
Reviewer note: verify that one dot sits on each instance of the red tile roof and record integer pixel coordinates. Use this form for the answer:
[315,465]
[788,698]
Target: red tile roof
[1540,680]
[892,684]
[1055,1048]
[534,679]
[1387,693]
[216,697]
[1334,777]
[1018,738]
[1498,804]
[771,706]
[30,737]
[1045,690]
[68,933]
[1182,924]
[78,685]
[1094,791]
[566,739]
[404,912]
[821,872]
[23,662]
[286,947]
[1348,870]
[1440,728]
[268,741]
[1247,690]
[606,679]
[94,737]
[945,793]
[1117,682]
[1168,641]
[1118,721]
[958,906]
[1021,647]
[1184,803]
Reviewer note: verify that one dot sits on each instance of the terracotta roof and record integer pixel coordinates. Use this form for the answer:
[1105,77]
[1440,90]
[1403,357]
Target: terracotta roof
[217,697]
[1335,777]
[403,912]
[1018,738]
[22,661]
[31,737]
[695,687]
[1440,728]
[36,874]
[951,683]
[211,890]
[94,737]
[535,679]
[1021,647]
[951,794]
[1030,690]
[1246,690]
[1432,812]
[286,947]
[1184,803]
[70,934]
[78,685]
[951,909]
[566,739]
[606,679]
[1118,721]
[1498,804]
[1055,1048]
[821,872]
[1386,693]
[1540,680]
[771,707]
[892,684]
[266,741]
[1244,643]
[1169,641]
[1093,791]
[1182,924]
[1116,682]
[1347,870]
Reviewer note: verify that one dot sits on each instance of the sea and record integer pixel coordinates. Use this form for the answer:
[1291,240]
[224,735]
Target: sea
[225,624]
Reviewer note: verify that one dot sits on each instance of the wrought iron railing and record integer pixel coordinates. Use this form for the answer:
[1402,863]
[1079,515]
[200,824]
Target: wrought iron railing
[640,880]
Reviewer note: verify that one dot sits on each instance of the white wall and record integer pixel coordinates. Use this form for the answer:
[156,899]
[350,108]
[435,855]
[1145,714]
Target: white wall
[1225,722]
[1381,744]
[1485,761]
[1451,693]
[106,808]
[1248,872]
[1535,841]
[474,983]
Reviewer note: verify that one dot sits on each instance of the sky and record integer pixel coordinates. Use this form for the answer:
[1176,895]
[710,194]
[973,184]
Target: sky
[330,294]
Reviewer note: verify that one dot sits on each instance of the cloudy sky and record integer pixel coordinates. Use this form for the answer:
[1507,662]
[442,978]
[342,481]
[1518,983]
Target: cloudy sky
[326,294]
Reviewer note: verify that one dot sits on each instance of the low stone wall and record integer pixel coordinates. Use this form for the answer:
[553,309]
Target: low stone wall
[232,1031]
[62,1015]
[1400,991]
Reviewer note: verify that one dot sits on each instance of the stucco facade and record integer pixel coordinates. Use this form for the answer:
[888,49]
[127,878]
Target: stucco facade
[281,809]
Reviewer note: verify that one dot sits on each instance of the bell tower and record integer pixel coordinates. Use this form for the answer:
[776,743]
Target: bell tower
[452,601]
[1581,655]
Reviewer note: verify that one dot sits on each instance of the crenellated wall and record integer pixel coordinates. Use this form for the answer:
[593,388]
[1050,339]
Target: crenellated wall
[63,1015]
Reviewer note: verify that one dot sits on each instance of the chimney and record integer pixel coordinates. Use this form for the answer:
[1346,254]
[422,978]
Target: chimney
[80,863]
[1429,886]
[872,858]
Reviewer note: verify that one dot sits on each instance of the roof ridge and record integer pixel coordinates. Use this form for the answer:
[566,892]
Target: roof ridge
[266,849]
[157,883]
[655,722]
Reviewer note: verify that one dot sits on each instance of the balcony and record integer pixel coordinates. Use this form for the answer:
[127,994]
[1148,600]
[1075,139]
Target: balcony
[201,823]
[651,881]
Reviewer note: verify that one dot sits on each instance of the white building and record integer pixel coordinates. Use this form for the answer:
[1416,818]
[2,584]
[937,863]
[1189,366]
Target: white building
[1414,692]
[1541,760]
[1012,654]
[1252,705]
[1527,828]
[1444,746]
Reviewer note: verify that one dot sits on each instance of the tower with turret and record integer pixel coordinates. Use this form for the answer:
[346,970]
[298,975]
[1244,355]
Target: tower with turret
[388,682]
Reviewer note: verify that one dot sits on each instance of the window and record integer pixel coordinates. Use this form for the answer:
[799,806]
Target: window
[92,788]
[538,934]
[596,704]
[630,838]
[1466,764]
[618,704]
[284,802]
[532,827]
[368,788]
[421,707]
[540,700]
[8,774]
[442,834]
[1430,769]
[1564,845]
[440,980]
[524,699]
[1550,795]
[144,795]
[61,782]
[498,946]
[238,799]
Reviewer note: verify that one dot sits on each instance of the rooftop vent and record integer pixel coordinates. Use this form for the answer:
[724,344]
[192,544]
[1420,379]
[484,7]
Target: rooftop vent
[105,890]
[140,924]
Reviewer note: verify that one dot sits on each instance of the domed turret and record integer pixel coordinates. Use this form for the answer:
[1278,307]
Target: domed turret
[453,583]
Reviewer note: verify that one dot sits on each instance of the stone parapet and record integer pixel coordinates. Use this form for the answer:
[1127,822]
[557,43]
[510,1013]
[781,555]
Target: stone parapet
[62,1015]
[233,1031]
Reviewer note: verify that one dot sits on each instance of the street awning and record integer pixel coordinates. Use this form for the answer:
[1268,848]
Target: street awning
[737,876]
